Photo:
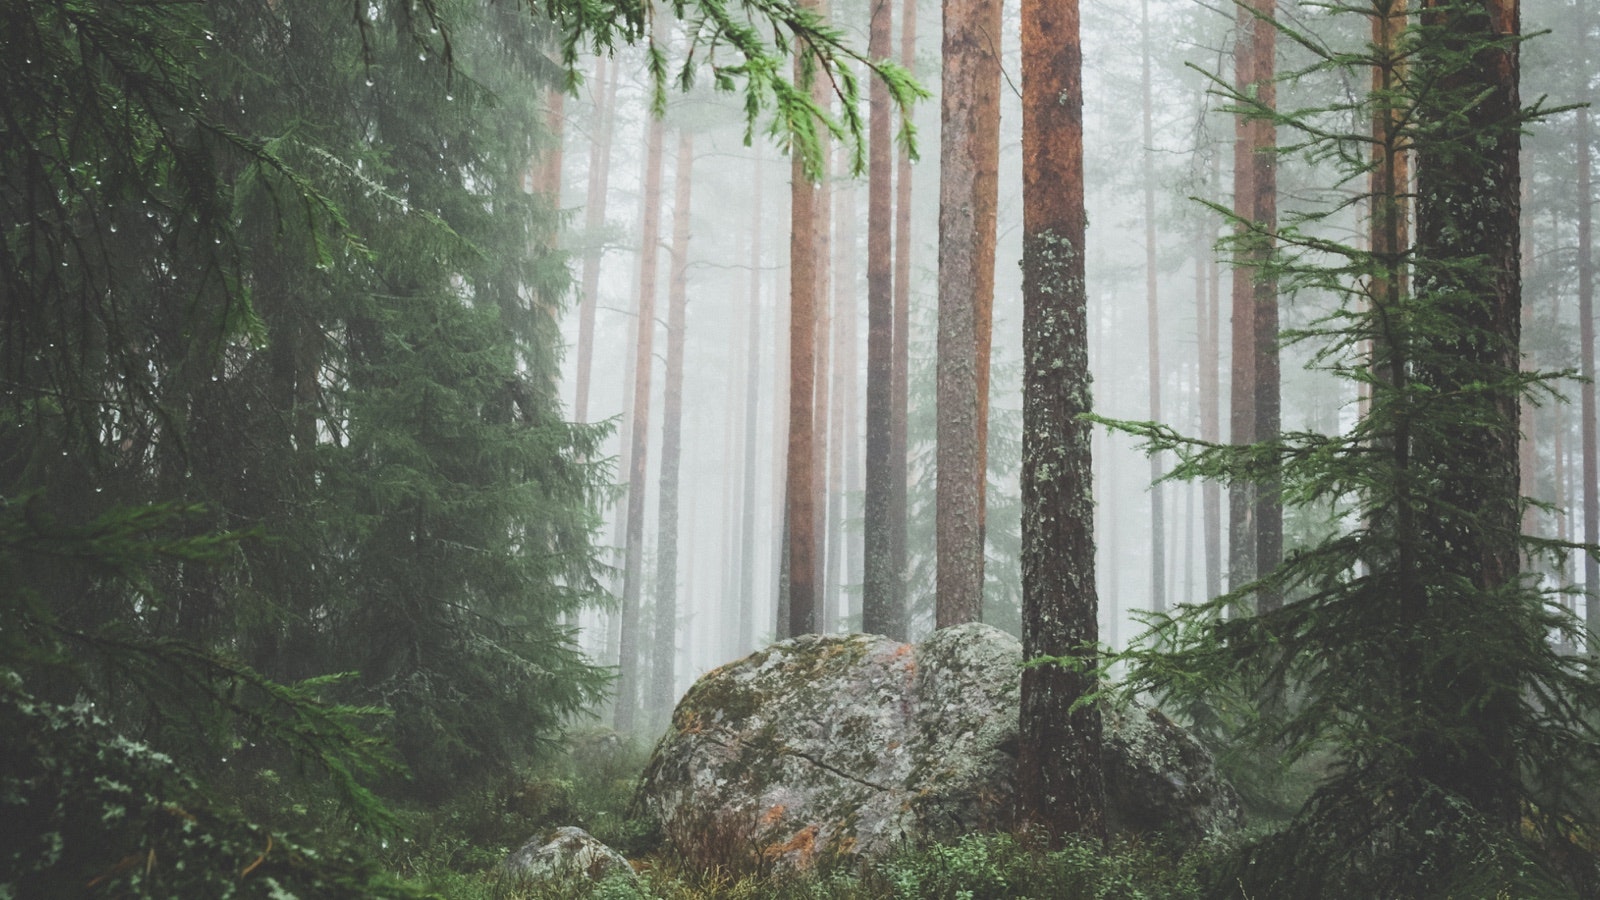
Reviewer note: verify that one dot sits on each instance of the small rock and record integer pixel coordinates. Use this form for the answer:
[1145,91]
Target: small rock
[566,854]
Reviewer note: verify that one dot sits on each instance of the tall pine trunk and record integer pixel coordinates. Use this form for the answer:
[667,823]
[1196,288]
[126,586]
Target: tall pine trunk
[747,553]
[1060,776]
[1264,186]
[896,624]
[879,576]
[1591,492]
[1158,531]
[969,149]
[801,481]
[1242,391]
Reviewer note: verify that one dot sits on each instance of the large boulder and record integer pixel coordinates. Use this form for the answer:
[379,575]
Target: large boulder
[831,748]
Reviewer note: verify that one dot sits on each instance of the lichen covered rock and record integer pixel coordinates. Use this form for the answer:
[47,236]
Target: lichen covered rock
[832,748]
[566,855]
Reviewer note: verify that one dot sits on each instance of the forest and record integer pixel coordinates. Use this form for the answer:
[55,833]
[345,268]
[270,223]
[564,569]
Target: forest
[616,449]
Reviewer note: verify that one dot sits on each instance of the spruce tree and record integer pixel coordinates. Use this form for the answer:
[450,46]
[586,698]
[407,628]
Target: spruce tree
[1410,645]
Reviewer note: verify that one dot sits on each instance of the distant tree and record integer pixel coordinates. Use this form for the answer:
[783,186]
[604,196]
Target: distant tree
[1060,780]
[1158,521]
[631,652]
[594,219]
[895,622]
[663,680]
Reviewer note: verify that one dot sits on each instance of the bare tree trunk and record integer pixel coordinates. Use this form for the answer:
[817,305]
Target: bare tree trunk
[823,399]
[1591,495]
[844,389]
[1060,776]
[639,434]
[1158,532]
[969,149]
[747,555]
[665,653]
[801,483]
[1242,407]
[1264,184]
[1210,420]
[594,218]
[896,615]
[878,589]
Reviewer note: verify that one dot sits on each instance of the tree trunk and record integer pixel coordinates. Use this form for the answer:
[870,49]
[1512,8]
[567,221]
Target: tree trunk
[878,585]
[1264,186]
[801,482]
[1060,778]
[896,615]
[747,553]
[639,433]
[1208,313]
[823,401]
[1242,406]
[969,150]
[1158,531]
[841,448]
[664,677]
[1468,210]
[1591,495]
[594,218]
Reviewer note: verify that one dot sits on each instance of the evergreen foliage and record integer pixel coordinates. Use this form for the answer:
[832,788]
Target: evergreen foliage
[284,481]
[1411,649]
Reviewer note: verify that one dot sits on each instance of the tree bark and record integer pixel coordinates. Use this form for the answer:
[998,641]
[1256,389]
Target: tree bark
[1242,391]
[879,577]
[969,150]
[896,615]
[664,677]
[801,482]
[1060,779]
[1264,186]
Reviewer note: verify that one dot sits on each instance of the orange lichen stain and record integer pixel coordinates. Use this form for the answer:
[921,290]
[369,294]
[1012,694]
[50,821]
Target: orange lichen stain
[774,814]
[691,722]
[902,650]
[803,845]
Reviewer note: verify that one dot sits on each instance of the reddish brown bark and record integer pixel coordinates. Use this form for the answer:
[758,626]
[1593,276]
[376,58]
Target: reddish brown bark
[1060,779]
[801,482]
[969,149]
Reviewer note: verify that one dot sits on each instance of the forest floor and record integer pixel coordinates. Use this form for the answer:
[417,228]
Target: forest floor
[457,851]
